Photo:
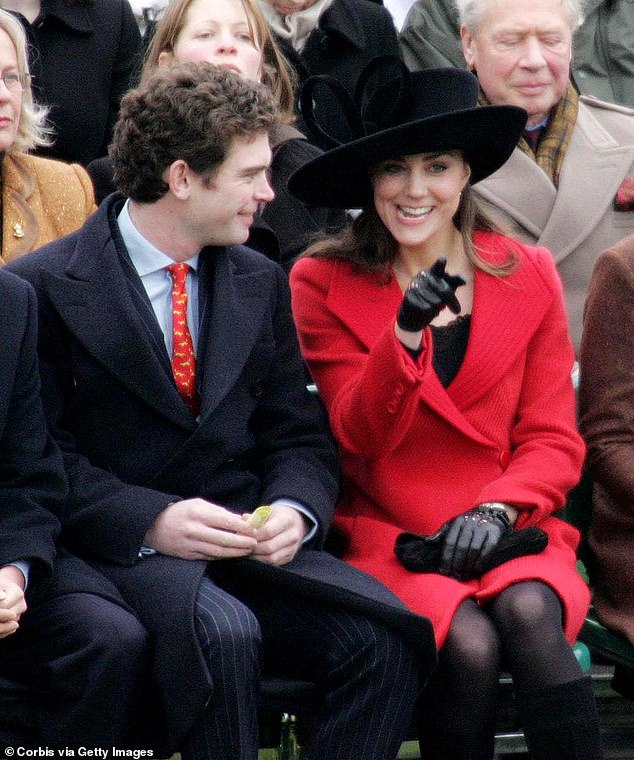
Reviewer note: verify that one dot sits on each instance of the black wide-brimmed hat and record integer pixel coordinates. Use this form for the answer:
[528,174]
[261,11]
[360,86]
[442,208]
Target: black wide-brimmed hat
[399,113]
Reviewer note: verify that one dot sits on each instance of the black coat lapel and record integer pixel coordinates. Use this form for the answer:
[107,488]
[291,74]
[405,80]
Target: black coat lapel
[233,303]
[94,300]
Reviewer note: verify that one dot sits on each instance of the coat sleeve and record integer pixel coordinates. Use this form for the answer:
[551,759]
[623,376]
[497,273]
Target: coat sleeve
[87,189]
[546,450]
[126,65]
[606,396]
[430,37]
[33,487]
[603,63]
[370,393]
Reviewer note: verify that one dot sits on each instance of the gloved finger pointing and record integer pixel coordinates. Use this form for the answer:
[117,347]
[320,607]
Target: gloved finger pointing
[454,280]
[438,267]
[452,303]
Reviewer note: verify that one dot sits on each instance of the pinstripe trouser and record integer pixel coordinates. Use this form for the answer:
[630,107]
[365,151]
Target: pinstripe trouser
[368,673]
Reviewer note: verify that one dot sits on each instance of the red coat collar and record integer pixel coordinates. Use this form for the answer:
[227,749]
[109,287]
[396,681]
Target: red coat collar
[506,313]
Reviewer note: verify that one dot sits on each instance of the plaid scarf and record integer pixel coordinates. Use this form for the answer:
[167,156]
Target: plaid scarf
[554,142]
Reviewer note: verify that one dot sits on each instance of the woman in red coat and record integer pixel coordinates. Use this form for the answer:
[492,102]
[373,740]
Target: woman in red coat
[457,429]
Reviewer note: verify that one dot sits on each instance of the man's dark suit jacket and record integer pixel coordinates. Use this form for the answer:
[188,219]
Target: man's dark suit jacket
[33,487]
[32,483]
[131,446]
[33,496]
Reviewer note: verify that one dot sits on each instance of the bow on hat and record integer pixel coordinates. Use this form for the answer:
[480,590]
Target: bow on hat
[370,111]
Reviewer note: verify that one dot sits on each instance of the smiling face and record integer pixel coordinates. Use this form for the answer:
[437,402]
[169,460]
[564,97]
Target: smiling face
[221,208]
[521,53]
[416,198]
[217,31]
[10,100]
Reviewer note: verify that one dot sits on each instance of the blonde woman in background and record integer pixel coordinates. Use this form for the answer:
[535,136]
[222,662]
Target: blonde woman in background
[42,199]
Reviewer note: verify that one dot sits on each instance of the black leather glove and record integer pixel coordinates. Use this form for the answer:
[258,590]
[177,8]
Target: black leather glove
[422,554]
[428,293]
[470,538]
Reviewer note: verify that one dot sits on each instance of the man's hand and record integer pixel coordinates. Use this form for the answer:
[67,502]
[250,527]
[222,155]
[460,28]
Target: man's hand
[12,601]
[199,529]
[280,538]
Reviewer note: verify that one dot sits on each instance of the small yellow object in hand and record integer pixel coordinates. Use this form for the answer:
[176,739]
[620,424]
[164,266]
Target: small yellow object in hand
[260,516]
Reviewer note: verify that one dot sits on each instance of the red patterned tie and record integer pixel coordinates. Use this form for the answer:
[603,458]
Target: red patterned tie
[183,357]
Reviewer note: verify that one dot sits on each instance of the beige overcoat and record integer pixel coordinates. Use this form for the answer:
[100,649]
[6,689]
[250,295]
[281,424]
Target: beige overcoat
[578,220]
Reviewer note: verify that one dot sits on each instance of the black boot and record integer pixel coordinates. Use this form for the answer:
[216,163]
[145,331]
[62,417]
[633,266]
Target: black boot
[561,722]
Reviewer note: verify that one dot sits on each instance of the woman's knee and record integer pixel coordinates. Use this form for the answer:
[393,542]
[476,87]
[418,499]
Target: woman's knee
[472,642]
[526,607]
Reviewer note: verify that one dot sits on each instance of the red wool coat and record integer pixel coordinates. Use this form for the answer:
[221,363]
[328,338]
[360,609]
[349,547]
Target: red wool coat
[415,454]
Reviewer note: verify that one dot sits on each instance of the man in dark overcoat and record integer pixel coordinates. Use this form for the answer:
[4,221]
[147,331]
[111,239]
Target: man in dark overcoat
[179,413]
[72,655]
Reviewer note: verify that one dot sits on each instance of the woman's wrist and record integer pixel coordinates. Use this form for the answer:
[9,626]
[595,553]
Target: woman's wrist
[411,340]
[502,508]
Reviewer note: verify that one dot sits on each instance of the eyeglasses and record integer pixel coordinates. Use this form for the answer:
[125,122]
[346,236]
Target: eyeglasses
[14,81]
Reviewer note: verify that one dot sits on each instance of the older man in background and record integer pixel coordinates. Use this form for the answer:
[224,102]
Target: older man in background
[602,57]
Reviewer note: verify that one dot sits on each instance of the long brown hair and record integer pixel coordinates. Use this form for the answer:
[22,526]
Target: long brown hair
[276,72]
[367,243]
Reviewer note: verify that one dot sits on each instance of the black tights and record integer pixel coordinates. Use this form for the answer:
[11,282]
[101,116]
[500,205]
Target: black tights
[521,630]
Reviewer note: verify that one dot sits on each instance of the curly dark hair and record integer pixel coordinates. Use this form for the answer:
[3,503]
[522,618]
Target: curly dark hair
[189,111]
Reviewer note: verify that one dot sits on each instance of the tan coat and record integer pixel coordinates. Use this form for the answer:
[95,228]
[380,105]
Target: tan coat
[578,220]
[606,402]
[42,200]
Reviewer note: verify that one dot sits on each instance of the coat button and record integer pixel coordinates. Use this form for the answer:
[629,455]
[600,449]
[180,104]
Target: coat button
[505,459]
[324,42]
[257,389]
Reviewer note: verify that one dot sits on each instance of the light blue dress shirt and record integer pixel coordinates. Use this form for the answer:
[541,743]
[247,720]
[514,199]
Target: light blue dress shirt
[24,567]
[150,264]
